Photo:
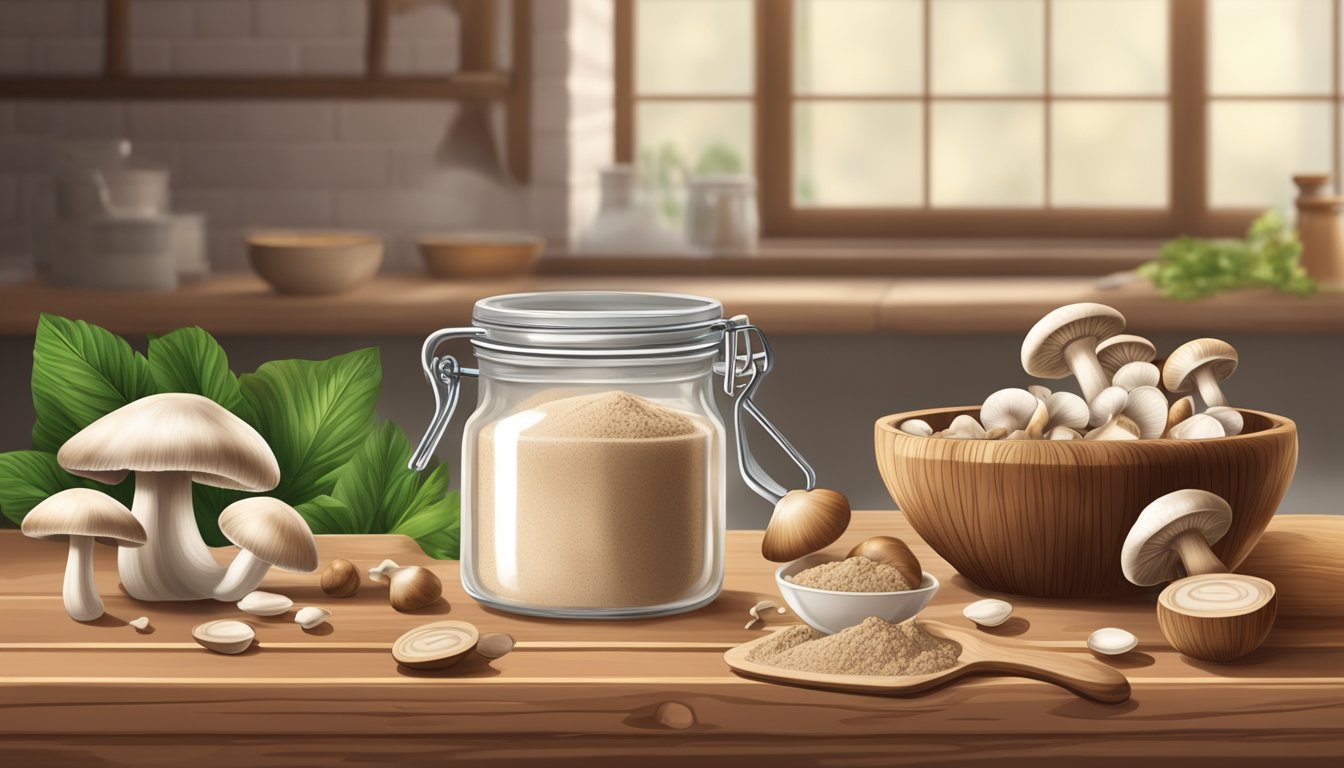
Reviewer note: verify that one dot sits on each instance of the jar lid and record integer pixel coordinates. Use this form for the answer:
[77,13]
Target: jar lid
[572,322]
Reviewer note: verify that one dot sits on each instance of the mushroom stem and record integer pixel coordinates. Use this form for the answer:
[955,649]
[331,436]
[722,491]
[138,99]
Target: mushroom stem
[1196,555]
[244,575]
[174,564]
[1081,357]
[81,596]
[1209,388]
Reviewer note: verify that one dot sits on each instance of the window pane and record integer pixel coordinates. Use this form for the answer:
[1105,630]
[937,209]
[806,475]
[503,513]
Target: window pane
[859,46]
[858,154]
[1270,46]
[989,154]
[693,46]
[1102,47]
[988,47]
[1256,146]
[1109,154]
[695,137]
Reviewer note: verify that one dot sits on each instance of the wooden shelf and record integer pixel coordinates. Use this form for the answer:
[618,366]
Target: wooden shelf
[241,304]
[472,85]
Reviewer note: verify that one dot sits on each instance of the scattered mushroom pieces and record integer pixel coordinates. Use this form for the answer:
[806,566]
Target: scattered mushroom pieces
[988,612]
[311,616]
[82,516]
[1180,411]
[1230,418]
[891,551]
[270,533]
[495,645]
[1198,427]
[410,587]
[140,624]
[1121,350]
[755,612]
[1112,641]
[226,636]
[1134,375]
[1201,364]
[168,441]
[340,578]
[436,646]
[265,604]
[917,427]
[1065,342]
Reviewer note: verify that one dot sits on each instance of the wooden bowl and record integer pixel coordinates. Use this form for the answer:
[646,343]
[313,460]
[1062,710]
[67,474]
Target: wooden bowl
[480,254]
[1048,518]
[315,262]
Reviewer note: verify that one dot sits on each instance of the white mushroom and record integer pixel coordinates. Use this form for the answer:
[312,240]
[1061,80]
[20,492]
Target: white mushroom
[1063,433]
[1135,375]
[225,636]
[1013,410]
[1180,411]
[270,533]
[1230,418]
[1146,407]
[82,516]
[1112,641]
[1198,427]
[1201,364]
[265,604]
[988,612]
[1039,392]
[140,624]
[311,616]
[1176,531]
[1121,350]
[168,441]
[1065,341]
[966,428]
[1119,428]
[1109,403]
[917,427]
[1066,410]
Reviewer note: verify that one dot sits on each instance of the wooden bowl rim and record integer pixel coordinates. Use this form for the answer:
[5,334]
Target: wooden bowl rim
[480,240]
[306,240]
[1278,425]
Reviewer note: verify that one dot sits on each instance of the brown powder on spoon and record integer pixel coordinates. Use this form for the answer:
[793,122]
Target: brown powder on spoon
[875,648]
[856,574]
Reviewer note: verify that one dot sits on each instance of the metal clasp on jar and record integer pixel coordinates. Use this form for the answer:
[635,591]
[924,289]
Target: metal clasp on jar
[445,377]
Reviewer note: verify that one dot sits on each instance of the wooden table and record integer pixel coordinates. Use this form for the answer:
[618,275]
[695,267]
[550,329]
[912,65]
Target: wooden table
[586,693]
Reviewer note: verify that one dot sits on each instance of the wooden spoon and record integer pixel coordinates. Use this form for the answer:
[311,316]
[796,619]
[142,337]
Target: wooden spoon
[981,654]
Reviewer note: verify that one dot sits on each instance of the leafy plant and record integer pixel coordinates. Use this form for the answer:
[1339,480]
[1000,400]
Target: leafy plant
[1269,257]
[342,469]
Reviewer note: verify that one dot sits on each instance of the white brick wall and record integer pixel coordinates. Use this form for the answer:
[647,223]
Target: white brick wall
[370,165]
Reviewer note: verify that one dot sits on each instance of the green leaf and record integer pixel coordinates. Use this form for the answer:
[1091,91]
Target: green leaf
[207,502]
[434,521]
[80,374]
[28,477]
[314,415]
[1269,257]
[328,515]
[190,360]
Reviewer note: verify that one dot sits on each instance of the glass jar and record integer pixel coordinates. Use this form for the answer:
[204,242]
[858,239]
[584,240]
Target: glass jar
[593,468]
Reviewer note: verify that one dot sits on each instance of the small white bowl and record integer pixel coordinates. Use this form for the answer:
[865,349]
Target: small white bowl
[830,612]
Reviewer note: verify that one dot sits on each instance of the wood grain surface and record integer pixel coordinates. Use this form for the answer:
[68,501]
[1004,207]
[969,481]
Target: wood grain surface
[577,692]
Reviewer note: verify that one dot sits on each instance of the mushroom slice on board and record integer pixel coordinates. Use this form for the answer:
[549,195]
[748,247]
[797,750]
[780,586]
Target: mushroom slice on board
[83,516]
[168,441]
[1134,375]
[1201,364]
[436,646]
[1065,342]
[1175,530]
[1198,427]
[1121,350]
[270,533]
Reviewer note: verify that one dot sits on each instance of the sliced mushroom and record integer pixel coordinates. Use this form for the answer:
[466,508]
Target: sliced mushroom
[1198,427]
[1134,375]
[1065,342]
[1201,364]
[82,516]
[226,636]
[436,646]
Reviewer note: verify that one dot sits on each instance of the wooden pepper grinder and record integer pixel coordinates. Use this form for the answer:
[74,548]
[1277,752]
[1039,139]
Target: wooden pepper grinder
[1320,226]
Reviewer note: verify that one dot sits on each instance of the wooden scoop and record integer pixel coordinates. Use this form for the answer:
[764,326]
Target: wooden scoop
[981,654]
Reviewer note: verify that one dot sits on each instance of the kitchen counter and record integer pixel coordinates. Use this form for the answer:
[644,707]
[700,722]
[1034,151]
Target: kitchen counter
[588,693]
[240,304]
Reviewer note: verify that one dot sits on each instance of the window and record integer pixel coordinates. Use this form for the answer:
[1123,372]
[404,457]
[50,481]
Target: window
[986,117]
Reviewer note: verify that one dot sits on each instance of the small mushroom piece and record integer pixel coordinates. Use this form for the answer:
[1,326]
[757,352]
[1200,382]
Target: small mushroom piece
[1017,434]
[311,616]
[1201,364]
[1065,342]
[916,427]
[270,533]
[410,587]
[226,636]
[436,646]
[804,522]
[891,551]
[1119,428]
[265,604]
[495,645]
[1112,641]
[1010,409]
[1198,427]
[965,427]
[1121,350]
[1230,418]
[140,624]
[82,516]
[1173,536]
[1134,375]
[340,578]
[997,433]
[1180,411]
[755,612]
[988,612]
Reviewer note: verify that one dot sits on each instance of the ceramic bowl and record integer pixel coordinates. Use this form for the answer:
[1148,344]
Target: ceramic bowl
[314,262]
[480,254]
[830,612]
[1047,518]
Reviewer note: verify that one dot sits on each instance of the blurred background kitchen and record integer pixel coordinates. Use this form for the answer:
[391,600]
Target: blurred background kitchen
[894,189]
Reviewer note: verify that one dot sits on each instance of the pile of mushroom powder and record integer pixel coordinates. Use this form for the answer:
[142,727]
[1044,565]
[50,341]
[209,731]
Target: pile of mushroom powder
[1121,399]
[170,441]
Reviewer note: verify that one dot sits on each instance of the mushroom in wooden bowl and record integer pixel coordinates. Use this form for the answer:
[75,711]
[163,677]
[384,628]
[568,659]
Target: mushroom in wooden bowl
[1048,518]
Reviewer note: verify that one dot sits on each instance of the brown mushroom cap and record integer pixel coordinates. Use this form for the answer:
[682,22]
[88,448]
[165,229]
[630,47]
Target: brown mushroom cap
[84,512]
[272,531]
[1124,348]
[173,433]
[1148,556]
[1215,355]
[1043,348]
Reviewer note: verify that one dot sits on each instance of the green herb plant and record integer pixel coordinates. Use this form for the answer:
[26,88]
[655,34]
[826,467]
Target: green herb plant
[1269,257]
[340,467]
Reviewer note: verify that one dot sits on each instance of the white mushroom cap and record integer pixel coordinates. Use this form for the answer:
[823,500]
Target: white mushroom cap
[1137,374]
[1200,363]
[1117,351]
[1043,350]
[1199,427]
[1147,406]
[1148,556]
[173,433]
[84,512]
[1230,418]
[1107,405]
[1066,410]
[965,427]
[272,531]
[1011,409]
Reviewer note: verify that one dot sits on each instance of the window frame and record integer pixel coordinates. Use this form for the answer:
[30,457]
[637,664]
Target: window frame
[1188,99]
